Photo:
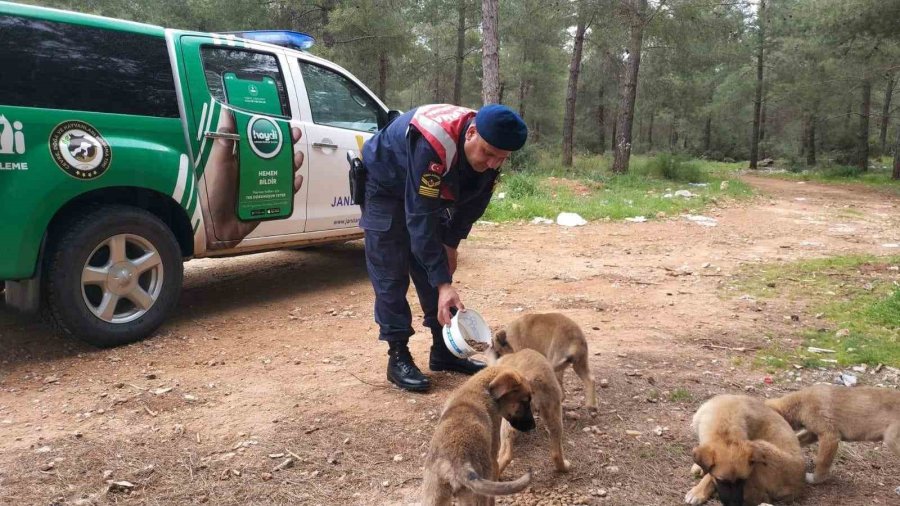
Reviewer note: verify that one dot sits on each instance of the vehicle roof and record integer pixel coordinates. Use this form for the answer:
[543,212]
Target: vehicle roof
[78,18]
[92,20]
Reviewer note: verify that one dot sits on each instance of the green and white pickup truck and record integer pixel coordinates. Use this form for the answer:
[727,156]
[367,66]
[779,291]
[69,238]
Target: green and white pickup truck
[127,148]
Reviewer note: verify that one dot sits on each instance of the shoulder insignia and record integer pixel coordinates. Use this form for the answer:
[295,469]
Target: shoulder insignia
[430,185]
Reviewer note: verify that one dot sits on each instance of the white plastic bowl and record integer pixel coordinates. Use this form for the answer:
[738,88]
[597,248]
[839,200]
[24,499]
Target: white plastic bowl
[466,324]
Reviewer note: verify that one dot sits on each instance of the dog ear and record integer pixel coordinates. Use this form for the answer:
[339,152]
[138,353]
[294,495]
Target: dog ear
[758,453]
[704,456]
[500,336]
[505,382]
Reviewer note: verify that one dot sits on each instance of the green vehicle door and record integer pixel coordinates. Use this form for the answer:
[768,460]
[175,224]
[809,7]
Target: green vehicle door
[240,133]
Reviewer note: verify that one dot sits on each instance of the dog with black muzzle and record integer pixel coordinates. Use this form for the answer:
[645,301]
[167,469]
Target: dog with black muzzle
[462,458]
[747,453]
[546,401]
[555,336]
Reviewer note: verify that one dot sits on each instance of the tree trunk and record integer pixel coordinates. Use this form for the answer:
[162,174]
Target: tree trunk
[707,134]
[762,126]
[886,113]
[757,101]
[572,95]
[640,132]
[635,40]
[460,51]
[601,121]
[523,83]
[436,92]
[502,89]
[804,136]
[490,60]
[862,138]
[896,173]
[326,7]
[811,142]
[650,132]
[615,125]
[382,75]
[673,135]
[762,116]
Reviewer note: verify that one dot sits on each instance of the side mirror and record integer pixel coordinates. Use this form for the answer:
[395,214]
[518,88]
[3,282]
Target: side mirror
[384,121]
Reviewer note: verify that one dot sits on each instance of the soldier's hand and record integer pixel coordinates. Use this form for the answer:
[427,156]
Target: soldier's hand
[447,298]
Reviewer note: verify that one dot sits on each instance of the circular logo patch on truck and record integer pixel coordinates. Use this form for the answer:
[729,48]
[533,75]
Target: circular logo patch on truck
[79,150]
[265,137]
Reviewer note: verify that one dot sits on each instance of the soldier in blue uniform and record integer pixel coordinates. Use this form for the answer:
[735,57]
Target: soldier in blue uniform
[430,176]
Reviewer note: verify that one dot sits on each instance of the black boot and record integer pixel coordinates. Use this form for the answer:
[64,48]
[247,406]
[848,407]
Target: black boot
[442,359]
[402,371]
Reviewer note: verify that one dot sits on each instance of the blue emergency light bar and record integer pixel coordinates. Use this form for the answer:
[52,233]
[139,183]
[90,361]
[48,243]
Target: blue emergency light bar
[284,38]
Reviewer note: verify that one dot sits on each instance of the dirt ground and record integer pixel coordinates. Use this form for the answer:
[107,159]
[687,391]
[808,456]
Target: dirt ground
[274,356]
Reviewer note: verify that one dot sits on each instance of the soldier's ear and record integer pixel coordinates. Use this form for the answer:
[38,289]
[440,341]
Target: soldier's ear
[471,132]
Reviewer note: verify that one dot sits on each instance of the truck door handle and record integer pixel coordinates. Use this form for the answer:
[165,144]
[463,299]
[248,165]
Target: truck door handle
[222,135]
[325,145]
[226,136]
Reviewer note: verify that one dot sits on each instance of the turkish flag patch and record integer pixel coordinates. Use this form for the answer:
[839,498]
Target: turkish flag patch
[436,168]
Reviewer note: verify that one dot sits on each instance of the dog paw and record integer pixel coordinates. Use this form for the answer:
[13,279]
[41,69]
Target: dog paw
[565,467]
[695,497]
[812,480]
[696,471]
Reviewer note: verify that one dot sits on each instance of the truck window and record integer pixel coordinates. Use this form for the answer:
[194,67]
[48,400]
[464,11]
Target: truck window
[54,65]
[247,65]
[337,101]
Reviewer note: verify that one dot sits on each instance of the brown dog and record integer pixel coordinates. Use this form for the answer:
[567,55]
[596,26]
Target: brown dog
[748,452]
[546,401]
[831,414]
[462,459]
[554,336]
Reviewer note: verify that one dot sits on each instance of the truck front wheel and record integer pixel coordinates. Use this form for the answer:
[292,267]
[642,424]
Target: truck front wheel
[113,275]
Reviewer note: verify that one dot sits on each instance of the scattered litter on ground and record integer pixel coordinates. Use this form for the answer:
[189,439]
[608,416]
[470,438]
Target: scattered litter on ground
[705,221]
[846,379]
[636,219]
[570,220]
[540,220]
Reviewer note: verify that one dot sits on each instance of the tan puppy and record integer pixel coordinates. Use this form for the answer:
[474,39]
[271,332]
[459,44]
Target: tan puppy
[748,452]
[554,336]
[833,413]
[546,401]
[462,459]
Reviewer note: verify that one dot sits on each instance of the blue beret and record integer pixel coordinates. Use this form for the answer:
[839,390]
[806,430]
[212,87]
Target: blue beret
[501,127]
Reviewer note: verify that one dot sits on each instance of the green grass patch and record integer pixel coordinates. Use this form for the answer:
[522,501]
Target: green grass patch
[541,186]
[856,299]
[680,395]
[878,176]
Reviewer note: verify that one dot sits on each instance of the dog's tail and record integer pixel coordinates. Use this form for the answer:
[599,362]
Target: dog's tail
[479,485]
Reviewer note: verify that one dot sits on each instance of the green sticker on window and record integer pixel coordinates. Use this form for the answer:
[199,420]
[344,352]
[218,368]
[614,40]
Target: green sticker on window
[255,95]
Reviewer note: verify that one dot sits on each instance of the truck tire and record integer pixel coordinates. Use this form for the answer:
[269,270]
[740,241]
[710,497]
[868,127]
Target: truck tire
[113,275]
